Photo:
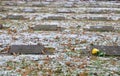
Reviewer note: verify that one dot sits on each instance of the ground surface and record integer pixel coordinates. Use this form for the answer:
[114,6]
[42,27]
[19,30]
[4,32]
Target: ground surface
[70,57]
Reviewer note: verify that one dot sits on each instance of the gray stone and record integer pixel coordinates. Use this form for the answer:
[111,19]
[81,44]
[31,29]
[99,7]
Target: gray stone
[99,18]
[65,11]
[20,3]
[55,18]
[11,4]
[94,18]
[29,10]
[69,5]
[15,17]
[109,50]
[26,49]
[47,28]
[97,12]
[49,0]
[38,5]
[100,28]
[98,5]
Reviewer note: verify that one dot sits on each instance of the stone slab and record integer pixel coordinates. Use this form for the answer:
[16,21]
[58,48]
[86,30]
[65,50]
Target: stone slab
[109,50]
[100,28]
[29,10]
[26,49]
[55,18]
[103,5]
[69,5]
[11,4]
[103,18]
[38,5]
[50,0]
[65,11]
[102,11]
[97,12]
[47,28]
[99,18]
[15,17]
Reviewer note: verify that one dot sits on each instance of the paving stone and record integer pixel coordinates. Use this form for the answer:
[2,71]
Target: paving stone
[20,3]
[65,11]
[99,18]
[103,18]
[11,4]
[38,5]
[97,11]
[95,18]
[109,50]
[47,28]
[103,11]
[69,5]
[29,10]
[55,18]
[26,49]
[98,5]
[99,28]
[71,0]
[15,17]
[50,0]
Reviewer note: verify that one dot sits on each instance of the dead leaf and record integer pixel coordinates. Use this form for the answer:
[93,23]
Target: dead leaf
[9,68]
[14,54]
[43,52]
[6,49]
[19,70]
[72,48]
[68,63]
[26,72]
[83,65]
[83,41]
[83,74]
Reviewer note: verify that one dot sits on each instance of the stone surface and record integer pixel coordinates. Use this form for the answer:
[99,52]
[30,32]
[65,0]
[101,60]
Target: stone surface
[95,18]
[26,49]
[49,0]
[11,4]
[65,11]
[29,10]
[97,11]
[38,5]
[100,28]
[69,5]
[47,28]
[15,17]
[98,18]
[55,18]
[109,50]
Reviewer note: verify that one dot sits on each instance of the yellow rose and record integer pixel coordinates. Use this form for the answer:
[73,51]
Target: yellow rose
[95,51]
